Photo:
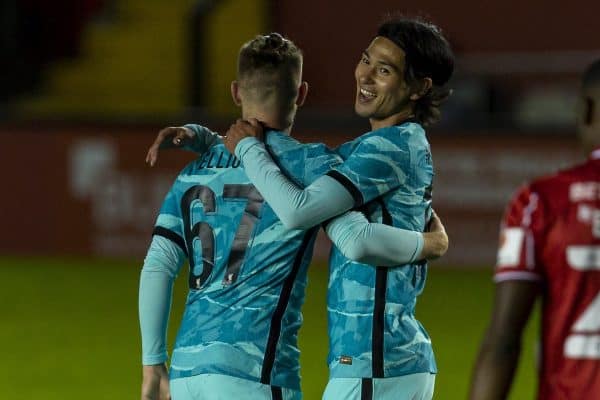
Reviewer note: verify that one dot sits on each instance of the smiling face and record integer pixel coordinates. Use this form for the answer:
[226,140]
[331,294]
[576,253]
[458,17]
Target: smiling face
[382,94]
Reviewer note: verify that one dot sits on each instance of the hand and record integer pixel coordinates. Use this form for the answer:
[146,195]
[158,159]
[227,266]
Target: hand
[168,138]
[155,382]
[436,240]
[241,130]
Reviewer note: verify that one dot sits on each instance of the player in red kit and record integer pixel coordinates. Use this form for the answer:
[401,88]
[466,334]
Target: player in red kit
[550,248]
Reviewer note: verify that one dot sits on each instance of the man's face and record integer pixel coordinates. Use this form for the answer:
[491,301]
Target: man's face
[382,94]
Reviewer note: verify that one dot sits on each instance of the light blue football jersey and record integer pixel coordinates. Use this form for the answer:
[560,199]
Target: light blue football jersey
[373,331]
[247,271]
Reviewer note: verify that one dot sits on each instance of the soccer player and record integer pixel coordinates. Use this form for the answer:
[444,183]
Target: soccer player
[247,271]
[550,249]
[377,347]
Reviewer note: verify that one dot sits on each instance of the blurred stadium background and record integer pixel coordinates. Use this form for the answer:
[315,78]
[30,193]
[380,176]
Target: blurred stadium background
[86,84]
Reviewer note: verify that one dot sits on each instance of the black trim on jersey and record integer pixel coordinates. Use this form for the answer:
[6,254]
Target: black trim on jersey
[284,298]
[379,307]
[426,228]
[267,128]
[349,186]
[378,321]
[428,195]
[276,393]
[325,223]
[172,236]
[366,389]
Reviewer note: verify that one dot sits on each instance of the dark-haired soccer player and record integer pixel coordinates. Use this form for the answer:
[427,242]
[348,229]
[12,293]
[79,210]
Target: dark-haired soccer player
[247,270]
[550,248]
[378,349]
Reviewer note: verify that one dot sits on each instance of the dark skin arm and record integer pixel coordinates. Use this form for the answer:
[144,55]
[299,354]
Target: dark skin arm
[501,347]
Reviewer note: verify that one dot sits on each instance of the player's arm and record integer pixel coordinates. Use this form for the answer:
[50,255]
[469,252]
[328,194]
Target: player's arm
[518,279]
[199,139]
[155,382]
[163,262]
[192,137]
[383,245]
[435,240]
[501,347]
[297,208]
[161,266]
[326,197]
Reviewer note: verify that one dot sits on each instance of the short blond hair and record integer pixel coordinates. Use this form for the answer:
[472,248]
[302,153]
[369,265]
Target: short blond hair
[270,63]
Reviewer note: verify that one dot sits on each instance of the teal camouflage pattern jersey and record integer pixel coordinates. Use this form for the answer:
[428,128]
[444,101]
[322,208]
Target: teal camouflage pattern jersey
[373,331]
[247,271]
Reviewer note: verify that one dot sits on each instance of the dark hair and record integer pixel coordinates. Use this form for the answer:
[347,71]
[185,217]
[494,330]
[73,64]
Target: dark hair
[428,55]
[591,76]
[272,56]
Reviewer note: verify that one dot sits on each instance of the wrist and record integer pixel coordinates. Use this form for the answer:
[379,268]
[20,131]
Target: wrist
[153,370]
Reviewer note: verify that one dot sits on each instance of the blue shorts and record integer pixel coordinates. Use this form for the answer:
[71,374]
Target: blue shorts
[225,387]
[407,387]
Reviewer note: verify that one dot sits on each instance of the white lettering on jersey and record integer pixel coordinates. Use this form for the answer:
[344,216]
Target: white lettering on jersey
[584,340]
[596,224]
[583,191]
[589,215]
[511,244]
[582,346]
[584,258]
[585,213]
[590,319]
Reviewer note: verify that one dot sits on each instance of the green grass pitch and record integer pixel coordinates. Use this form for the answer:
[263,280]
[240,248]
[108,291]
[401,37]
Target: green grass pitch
[70,330]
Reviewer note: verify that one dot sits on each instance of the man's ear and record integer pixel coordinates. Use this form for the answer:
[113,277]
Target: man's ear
[302,93]
[235,93]
[423,88]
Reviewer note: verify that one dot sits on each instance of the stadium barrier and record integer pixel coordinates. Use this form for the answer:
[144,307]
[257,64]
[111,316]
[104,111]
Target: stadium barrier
[87,191]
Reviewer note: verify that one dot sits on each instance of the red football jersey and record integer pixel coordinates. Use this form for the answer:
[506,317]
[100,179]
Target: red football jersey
[551,233]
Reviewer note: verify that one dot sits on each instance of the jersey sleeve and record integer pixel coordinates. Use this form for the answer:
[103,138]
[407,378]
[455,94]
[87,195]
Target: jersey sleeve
[377,164]
[161,266]
[373,243]
[520,232]
[169,223]
[203,139]
[163,261]
[296,207]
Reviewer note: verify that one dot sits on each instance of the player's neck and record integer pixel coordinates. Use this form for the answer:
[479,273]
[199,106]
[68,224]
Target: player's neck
[272,120]
[395,119]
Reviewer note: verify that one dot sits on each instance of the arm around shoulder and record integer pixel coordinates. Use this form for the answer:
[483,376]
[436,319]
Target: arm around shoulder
[297,208]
